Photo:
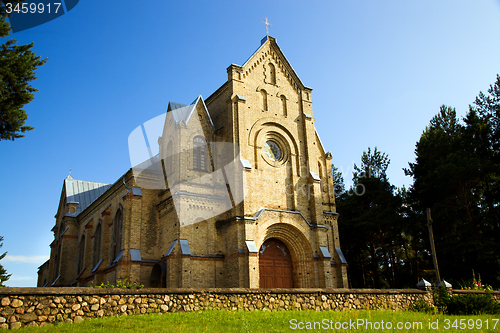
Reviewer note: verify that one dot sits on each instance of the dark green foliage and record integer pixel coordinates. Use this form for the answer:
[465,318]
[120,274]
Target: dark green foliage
[441,298]
[371,226]
[120,284]
[456,174]
[466,304]
[338,181]
[3,273]
[17,66]
[421,306]
[470,304]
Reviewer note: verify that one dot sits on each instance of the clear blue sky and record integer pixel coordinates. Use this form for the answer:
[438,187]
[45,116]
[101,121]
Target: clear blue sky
[379,70]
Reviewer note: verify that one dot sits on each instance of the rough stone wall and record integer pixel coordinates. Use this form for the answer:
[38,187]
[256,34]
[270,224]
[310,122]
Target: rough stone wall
[21,307]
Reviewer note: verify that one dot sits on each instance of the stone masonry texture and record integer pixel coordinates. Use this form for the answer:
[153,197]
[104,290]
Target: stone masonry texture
[25,307]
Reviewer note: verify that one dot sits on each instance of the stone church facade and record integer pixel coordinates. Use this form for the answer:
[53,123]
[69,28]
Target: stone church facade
[240,194]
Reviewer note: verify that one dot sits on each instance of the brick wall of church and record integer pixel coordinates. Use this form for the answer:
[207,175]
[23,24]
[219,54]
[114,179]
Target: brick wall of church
[263,100]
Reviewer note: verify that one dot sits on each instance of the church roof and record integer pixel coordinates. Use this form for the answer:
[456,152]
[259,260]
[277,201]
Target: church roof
[82,192]
[175,106]
[182,112]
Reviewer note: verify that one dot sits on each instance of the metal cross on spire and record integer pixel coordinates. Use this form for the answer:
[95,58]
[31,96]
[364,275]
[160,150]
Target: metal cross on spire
[266,22]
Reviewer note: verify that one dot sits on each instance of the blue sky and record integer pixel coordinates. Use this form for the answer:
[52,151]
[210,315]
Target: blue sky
[379,70]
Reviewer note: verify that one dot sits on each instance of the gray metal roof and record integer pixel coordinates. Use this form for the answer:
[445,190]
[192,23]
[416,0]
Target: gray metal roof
[185,247]
[246,164]
[174,105]
[181,112]
[325,252]
[341,255]
[424,283]
[135,255]
[314,175]
[252,248]
[171,248]
[83,192]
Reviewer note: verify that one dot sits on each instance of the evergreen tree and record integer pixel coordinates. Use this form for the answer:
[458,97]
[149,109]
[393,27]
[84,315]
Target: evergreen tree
[3,273]
[338,181]
[370,225]
[456,175]
[17,66]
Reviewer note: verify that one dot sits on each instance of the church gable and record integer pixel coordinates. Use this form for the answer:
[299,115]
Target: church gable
[272,62]
[270,83]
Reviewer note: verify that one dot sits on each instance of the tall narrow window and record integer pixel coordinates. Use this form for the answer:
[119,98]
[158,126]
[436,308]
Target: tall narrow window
[116,243]
[283,104]
[169,159]
[57,259]
[272,74]
[81,255]
[264,99]
[97,245]
[320,170]
[199,154]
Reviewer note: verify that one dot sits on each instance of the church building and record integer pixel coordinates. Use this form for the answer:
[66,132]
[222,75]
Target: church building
[238,195]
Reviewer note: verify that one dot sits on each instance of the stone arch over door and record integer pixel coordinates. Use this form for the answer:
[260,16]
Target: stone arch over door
[300,252]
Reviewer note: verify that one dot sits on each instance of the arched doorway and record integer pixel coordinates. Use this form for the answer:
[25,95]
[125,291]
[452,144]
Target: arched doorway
[158,275]
[275,265]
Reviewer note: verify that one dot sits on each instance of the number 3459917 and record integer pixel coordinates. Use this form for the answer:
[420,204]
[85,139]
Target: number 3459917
[32,8]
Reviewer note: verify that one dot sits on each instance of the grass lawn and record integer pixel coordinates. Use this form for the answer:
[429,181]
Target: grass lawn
[282,321]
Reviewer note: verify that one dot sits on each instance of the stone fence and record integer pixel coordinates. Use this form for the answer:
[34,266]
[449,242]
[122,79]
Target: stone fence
[21,307]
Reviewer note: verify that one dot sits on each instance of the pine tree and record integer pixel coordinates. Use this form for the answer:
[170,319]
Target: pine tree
[370,225]
[456,175]
[3,273]
[17,66]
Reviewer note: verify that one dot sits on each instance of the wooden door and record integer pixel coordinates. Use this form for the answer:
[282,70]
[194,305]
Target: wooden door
[275,265]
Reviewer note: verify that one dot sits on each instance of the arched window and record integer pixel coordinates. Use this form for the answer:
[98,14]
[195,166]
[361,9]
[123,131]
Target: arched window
[272,74]
[97,245]
[116,242]
[264,99]
[169,159]
[199,154]
[320,170]
[81,255]
[283,104]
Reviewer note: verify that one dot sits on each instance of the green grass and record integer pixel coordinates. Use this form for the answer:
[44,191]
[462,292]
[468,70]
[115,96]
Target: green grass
[262,321]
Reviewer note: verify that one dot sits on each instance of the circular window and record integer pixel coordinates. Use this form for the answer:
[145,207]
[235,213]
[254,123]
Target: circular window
[272,150]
